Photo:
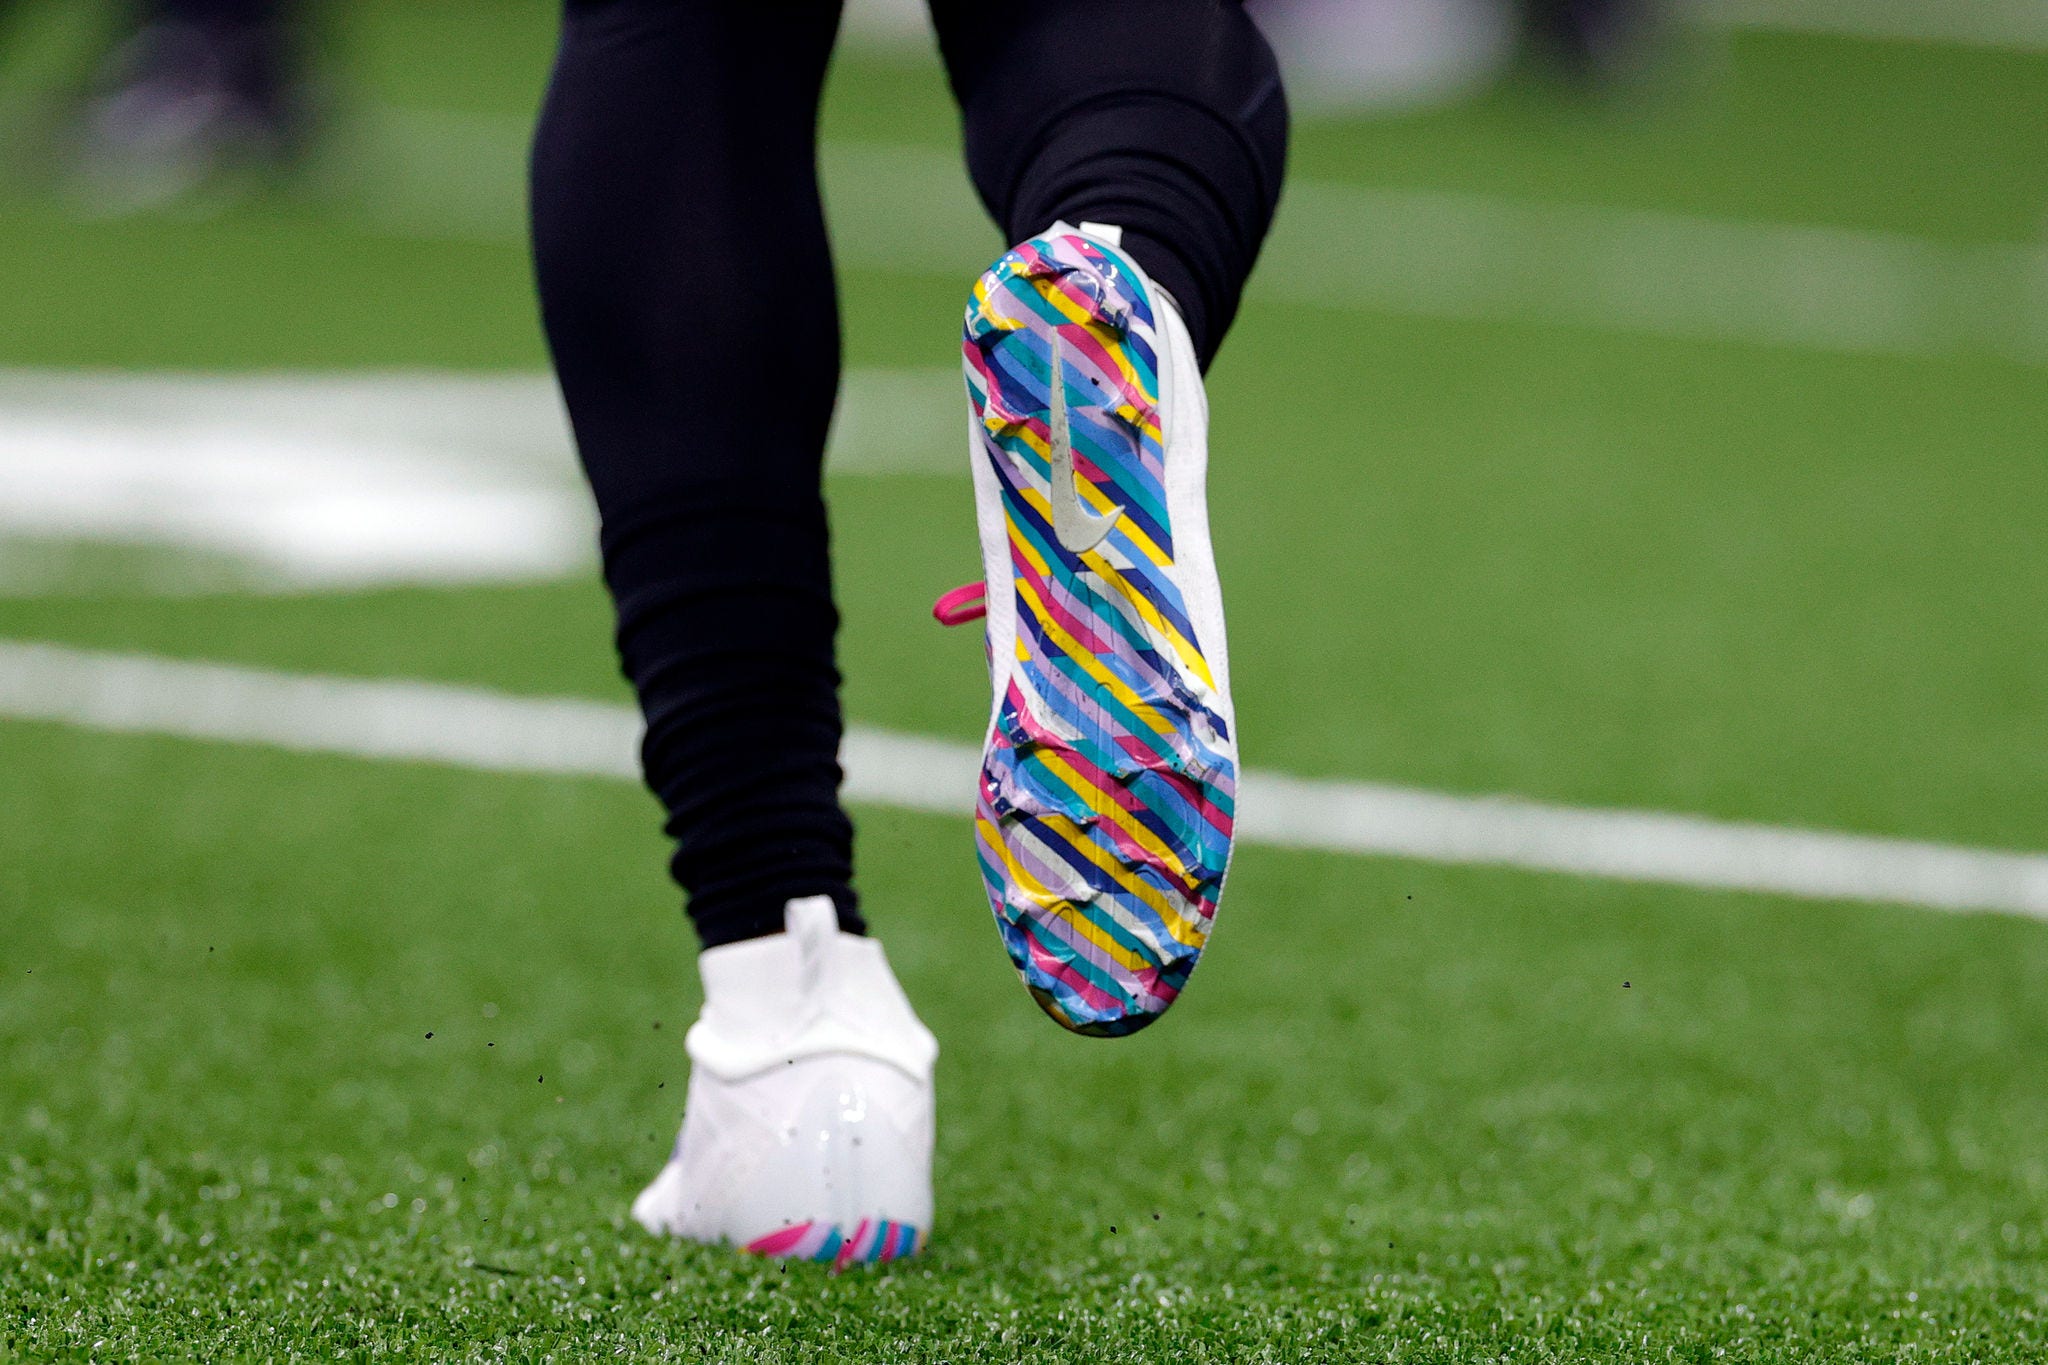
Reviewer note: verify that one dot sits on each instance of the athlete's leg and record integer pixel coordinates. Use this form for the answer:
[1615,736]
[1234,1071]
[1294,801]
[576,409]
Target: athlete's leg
[1165,117]
[687,292]
[1133,152]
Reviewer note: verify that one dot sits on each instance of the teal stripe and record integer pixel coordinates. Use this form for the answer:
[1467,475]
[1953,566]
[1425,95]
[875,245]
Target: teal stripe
[1097,606]
[1078,809]
[1155,584]
[1019,288]
[1113,928]
[1018,284]
[1157,953]
[1069,667]
[1149,578]
[1115,988]
[1130,480]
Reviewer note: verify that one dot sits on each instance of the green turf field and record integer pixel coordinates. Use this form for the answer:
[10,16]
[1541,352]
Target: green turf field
[306,1057]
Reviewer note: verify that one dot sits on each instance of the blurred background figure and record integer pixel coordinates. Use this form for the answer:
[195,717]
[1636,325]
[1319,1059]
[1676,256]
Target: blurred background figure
[191,99]
[1365,53]
[1586,36]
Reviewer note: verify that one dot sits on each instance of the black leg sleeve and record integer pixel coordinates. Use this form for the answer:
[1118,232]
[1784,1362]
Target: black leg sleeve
[1165,117]
[686,287]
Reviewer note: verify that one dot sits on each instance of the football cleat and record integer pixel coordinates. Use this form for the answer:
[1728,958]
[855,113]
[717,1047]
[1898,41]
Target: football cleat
[807,1129]
[1109,771]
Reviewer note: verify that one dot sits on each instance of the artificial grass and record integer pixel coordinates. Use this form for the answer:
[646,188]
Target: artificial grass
[1404,1113]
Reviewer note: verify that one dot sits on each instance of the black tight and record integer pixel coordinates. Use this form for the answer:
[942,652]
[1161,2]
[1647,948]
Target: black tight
[686,287]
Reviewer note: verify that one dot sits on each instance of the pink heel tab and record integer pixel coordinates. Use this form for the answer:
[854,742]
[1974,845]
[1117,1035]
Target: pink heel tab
[968,602]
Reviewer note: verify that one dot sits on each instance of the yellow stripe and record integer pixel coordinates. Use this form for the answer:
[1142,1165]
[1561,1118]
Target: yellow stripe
[1114,685]
[1162,628]
[1189,655]
[1112,344]
[1043,450]
[1064,908]
[1183,930]
[1184,648]
[1123,819]
[1137,419]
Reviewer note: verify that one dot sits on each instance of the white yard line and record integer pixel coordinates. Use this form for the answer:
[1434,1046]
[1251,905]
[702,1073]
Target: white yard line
[310,481]
[1430,253]
[1422,253]
[299,481]
[472,728]
[2021,25]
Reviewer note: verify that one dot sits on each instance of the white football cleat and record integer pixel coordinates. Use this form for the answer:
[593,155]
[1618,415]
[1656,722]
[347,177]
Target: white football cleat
[1108,793]
[807,1130]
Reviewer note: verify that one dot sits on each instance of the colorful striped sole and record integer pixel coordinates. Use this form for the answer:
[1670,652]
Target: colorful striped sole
[1108,783]
[871,1242]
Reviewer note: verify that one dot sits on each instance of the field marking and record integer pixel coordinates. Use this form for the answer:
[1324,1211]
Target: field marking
[494,731]
[2019,25]
[294,481]
[1446,254]
[1439,254]
[297,481]
[1409,252]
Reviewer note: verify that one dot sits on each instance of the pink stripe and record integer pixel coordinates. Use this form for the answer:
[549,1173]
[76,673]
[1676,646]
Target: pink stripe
[1053,872]
[1116,794]
[1095,355]
[1211,812]
[1075,983]
[1032,849]
[1046,868]
[1150,669]
[778,1243]
[1061,964]
[1091,347]
[1082,631]
[1063,931]
[1071,277]
[1079,948]
[1095,473]
[1106,783]
[847,1248]
[1053,929]
[1031,255]
[978,361]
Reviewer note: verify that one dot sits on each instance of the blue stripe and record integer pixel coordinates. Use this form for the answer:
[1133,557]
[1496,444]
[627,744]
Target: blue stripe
[1070,1000]
[1162,808]
[1027,392]
[1157,589]
[1067,852]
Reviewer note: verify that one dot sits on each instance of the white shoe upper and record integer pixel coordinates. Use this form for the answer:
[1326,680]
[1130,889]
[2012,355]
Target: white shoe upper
[807,1130]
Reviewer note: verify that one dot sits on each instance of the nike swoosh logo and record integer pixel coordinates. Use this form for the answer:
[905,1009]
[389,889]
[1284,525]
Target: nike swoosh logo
[1077,527]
